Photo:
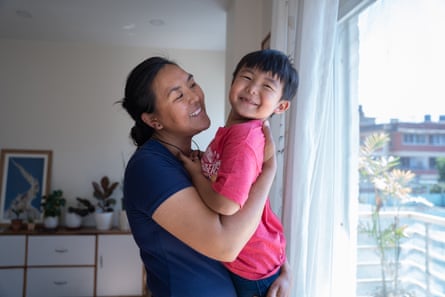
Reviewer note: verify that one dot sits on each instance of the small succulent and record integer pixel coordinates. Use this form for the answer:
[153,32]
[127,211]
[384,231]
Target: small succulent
[17,212]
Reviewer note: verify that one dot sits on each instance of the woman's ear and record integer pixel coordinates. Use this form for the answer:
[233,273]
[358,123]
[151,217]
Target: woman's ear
[283,105]
[151,120]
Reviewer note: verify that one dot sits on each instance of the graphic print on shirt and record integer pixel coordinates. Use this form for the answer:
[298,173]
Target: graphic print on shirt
[211,162]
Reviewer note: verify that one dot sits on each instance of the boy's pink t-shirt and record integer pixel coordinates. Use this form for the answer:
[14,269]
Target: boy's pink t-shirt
[233,162]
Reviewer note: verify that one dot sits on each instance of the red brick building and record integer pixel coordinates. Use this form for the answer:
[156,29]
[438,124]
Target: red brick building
[417,144]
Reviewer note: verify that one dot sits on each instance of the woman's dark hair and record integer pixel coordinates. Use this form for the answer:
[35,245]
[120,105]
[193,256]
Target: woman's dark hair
[277,63]
[139,96]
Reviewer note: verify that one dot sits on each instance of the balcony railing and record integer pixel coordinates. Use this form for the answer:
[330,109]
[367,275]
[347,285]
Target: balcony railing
[422,255]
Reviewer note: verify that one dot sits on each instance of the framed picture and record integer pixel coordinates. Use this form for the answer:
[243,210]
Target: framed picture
[24,179]
[265,44]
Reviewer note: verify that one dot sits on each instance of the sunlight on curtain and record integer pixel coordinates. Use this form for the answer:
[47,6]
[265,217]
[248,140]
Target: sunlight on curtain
[317,137]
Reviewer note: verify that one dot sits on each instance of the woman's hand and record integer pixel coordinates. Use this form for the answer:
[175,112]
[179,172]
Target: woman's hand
[281,286]
[269,146]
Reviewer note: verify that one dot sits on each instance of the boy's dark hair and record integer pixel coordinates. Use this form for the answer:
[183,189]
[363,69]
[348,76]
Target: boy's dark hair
[277,63]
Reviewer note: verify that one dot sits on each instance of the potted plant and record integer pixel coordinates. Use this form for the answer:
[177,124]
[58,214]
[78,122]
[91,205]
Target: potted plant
[16,221]
[52,205]
[30,223]
[391,187]
[104,211]
[74,215]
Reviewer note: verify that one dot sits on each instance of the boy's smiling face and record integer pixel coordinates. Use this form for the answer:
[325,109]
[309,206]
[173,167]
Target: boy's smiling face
[256,94]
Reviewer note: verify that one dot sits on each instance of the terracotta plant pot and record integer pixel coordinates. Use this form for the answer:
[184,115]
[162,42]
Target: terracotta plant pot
[16,224]
[31,226]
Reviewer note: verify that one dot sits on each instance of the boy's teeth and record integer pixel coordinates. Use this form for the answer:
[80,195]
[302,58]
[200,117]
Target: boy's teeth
[195,113]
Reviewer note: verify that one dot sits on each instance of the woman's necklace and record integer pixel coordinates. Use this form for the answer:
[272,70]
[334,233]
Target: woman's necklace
[172,145]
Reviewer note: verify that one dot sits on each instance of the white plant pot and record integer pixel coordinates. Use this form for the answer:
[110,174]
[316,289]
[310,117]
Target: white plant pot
[123,221]
[73,220]
[104,220]
[51,222]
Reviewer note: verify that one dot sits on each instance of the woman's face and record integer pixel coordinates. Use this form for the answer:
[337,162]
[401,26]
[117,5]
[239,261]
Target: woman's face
[180,107]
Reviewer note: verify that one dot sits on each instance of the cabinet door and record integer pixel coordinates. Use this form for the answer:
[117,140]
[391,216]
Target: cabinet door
[11,282]
[12,261]
[12,250]
[119,267]
[61,250]
[63,281]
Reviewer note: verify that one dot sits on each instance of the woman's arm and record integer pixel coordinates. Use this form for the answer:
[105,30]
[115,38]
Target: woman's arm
[215,201]
[220,237]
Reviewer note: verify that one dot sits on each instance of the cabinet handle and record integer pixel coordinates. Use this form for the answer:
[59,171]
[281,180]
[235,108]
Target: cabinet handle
[61,250]
[60,283]
[101,262]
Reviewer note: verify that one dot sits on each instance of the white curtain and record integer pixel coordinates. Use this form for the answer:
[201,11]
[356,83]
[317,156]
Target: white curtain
[315,149]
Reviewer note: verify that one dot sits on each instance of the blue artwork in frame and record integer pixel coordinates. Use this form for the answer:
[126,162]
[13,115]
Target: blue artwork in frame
[24,180]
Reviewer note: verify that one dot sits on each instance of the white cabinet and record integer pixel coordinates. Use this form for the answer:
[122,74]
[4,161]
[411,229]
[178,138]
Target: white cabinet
[119,268]
[60,253]
[71,263]
[12,262]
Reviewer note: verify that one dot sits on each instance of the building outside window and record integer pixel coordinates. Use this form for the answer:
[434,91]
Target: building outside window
[395,69]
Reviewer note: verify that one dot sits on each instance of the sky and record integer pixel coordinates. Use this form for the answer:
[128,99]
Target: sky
[402,60]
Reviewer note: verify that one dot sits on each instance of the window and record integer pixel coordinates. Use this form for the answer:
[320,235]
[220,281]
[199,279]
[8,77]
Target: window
[432,163]
[394,65]
[405,163]
[437,139]
[415,139]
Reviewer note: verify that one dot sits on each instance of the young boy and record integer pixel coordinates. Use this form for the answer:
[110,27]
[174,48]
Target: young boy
[263,84]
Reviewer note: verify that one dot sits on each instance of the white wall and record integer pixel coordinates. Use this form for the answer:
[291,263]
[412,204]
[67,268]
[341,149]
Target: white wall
[243,34]
[61,96]
[248,23]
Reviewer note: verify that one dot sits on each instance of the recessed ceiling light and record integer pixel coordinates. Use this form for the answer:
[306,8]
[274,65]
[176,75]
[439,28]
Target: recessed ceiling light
[157,22]
[23,13]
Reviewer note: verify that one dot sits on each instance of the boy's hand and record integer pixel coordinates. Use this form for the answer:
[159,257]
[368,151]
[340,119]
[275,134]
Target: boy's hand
[192,164]
[196,154]
[281,286]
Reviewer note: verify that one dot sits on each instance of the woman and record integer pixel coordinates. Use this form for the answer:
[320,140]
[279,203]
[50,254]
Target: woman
[181,241]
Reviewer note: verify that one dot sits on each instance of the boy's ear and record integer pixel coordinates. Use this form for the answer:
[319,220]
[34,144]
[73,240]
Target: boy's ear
[283,105]
[151,120]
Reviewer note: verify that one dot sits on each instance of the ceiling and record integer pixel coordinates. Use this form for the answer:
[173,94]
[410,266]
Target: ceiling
[185,24]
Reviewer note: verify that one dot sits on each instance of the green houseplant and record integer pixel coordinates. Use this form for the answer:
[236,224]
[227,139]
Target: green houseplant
[391,187]
[74,215]
[16,221]
[83,208]
[105,203]
[15,213]
[52,205]
[102,192]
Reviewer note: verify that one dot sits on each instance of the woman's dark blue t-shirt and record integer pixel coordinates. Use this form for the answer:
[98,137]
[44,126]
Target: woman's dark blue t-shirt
[173,269]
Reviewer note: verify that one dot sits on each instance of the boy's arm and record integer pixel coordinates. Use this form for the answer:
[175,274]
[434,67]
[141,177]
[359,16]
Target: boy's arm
[216,202]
